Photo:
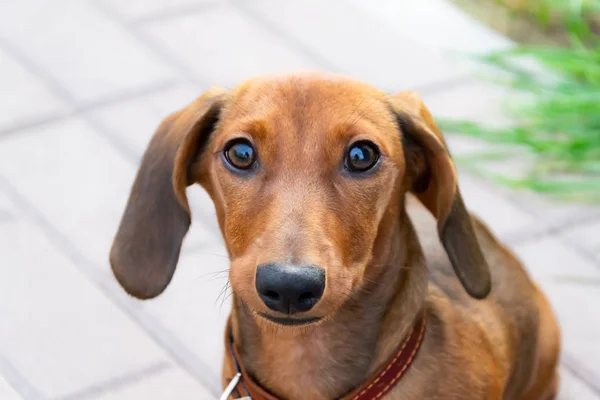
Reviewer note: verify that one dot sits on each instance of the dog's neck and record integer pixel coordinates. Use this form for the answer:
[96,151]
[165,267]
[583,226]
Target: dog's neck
[332,358]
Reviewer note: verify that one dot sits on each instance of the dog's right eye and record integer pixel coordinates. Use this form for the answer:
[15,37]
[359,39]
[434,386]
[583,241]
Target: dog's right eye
[361,156]
[240,154]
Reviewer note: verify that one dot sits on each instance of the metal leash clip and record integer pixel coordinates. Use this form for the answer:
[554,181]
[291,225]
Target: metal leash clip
[231,387]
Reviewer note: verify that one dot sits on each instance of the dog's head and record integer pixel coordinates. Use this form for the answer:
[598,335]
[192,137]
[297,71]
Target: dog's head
[308,176]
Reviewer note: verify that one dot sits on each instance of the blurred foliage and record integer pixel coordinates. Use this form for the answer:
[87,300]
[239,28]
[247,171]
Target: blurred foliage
[573,16]
[557,120]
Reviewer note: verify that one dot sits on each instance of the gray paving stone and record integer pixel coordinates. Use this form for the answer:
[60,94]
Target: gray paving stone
[586,235]
[225,47]
[193,307]
[572,388]
[57,328]
[136,119]
[101,59]
[7,392]
[496,210]
[572,284]
[74,178]
[555,213]
[421,20]
[204,231]
[136,9]
[24,97]
[171,384]
[354,42]
[5,216]
[8,211]
[477,100]
[575,307]
[550,259]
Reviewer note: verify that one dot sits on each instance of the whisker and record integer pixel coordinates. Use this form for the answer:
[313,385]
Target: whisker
[223,291]
[372,281]
[214,254]
[225,297]
[213,275]
[362,290]
[349,294]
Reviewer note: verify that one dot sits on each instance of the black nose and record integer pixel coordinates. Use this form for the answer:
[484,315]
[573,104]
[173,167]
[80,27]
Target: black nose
[289,289]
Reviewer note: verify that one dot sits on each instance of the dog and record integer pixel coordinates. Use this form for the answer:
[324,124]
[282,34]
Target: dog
[356,270]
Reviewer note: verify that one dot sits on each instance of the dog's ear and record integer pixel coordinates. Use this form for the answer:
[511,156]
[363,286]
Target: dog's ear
[146,248]
[432,178]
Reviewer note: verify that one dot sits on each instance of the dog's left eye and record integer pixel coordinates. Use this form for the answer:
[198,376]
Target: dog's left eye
[240,154]
[361,156]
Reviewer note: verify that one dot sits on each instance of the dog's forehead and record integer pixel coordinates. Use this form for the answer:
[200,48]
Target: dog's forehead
[319,97]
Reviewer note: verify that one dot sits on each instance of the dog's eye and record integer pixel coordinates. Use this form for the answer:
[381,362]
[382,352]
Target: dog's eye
[240,154]
[361,156]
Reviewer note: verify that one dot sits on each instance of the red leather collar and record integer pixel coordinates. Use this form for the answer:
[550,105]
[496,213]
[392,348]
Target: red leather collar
[377,385]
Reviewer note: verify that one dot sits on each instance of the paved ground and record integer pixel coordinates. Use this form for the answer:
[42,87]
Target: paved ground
[82,86]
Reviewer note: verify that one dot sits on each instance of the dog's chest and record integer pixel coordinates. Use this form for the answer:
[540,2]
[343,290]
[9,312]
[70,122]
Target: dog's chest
[313,367]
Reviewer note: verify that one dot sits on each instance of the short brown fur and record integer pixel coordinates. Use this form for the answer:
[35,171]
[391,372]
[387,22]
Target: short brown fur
[392,243]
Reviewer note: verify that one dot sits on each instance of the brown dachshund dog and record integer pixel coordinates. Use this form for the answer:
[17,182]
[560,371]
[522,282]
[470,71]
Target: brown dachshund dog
[344,223]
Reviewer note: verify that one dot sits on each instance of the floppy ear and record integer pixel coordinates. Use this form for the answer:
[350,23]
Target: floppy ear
[434,182]
[146,247]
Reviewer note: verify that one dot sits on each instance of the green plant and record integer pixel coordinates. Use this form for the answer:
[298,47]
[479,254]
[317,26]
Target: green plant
[577,16]
[558,119]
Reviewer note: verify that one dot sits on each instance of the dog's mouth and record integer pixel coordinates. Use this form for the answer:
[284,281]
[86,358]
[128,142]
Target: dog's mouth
[289,321]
